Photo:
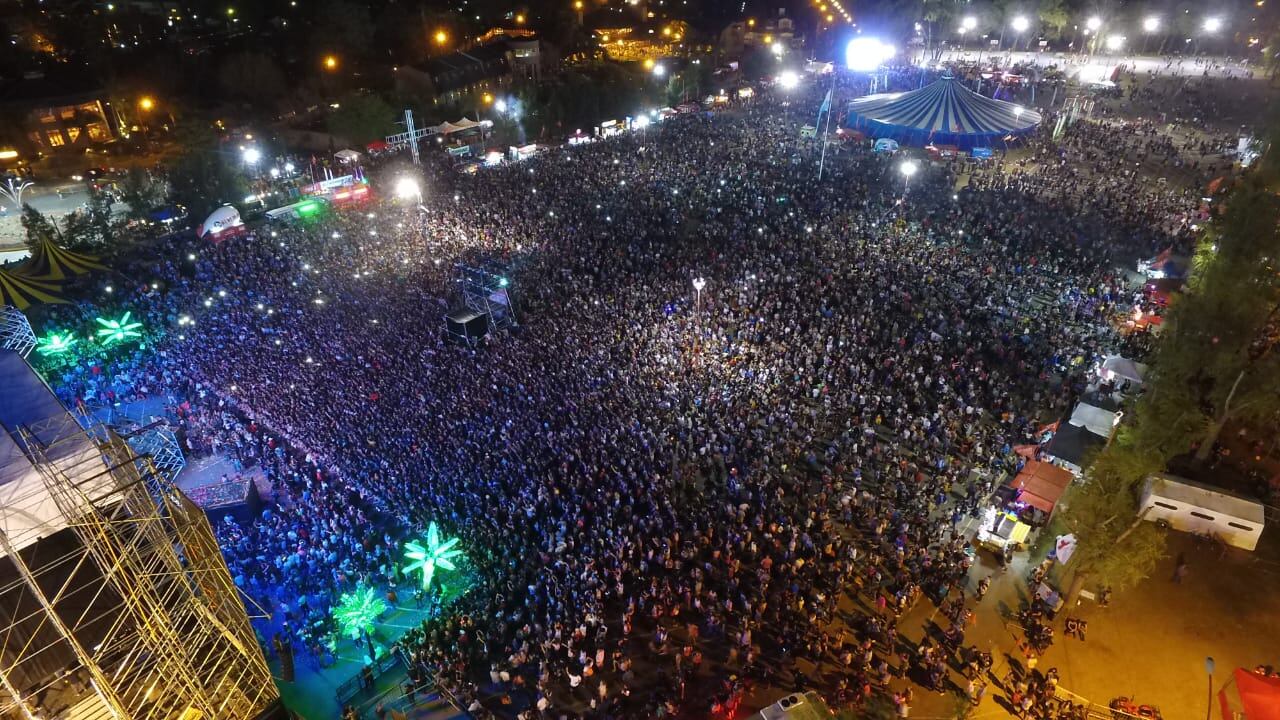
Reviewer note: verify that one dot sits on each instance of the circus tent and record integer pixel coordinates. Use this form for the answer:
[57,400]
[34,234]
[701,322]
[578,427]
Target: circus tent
[50,262]
[22,291]
[945,113]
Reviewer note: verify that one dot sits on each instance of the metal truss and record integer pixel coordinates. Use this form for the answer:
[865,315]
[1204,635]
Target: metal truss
[129,612]
[486,290]
[15,331]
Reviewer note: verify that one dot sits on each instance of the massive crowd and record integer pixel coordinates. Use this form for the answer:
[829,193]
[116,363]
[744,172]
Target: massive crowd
[653,485]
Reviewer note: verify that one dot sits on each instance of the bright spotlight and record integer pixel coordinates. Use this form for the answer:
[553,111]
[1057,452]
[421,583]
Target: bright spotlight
[500,105]
[776,48]
[1094,23]
[1151,24]
[641,122]
[970,22]
[788,79]
[865,54]
[908,168]
[407,188]
[1212,24]
[252,155]
[659,71]
[1115,42]
[1020,23]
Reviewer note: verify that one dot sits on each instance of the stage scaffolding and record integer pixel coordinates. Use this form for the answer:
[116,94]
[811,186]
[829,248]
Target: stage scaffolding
[15,331]
[128,611]
[486,290]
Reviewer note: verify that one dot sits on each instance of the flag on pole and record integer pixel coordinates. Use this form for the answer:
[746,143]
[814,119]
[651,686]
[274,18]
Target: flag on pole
[826,103]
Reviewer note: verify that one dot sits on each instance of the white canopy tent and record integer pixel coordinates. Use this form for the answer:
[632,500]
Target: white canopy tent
[1094,419]
[1118,368]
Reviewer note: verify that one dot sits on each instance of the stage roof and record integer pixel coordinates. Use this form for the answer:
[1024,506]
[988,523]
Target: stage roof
[944,113]
[27,511]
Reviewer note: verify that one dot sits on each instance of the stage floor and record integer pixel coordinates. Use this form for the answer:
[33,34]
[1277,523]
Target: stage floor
[313,693]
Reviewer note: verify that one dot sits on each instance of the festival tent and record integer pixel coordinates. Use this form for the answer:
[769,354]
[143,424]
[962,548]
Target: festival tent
[50,262]
[1250,695]
[1096,420]
[1072,445]
[944,112]
[22,292]
[1115,367]
[1041,484]
[347,156]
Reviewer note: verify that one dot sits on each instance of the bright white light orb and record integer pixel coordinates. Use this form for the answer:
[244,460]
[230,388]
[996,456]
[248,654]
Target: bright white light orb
[865,54]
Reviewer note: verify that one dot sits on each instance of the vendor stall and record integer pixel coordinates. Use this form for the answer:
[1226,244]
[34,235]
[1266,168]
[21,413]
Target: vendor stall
[1000,529]
[1040,485]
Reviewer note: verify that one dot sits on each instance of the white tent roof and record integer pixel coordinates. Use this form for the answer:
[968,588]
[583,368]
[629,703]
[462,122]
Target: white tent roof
[1125,368]
[1093,418]
[27,511]
[347,155]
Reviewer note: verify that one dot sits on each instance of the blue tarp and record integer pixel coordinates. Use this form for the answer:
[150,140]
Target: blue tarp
[944,112]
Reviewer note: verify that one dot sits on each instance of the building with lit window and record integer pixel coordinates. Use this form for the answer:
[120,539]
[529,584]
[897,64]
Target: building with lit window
[44,115]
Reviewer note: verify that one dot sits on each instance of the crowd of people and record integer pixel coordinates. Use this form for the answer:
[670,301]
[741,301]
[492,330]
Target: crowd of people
[664,494]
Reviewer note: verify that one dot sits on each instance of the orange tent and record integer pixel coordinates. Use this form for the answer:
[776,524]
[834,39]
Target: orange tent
[1041,484]
[1256,697]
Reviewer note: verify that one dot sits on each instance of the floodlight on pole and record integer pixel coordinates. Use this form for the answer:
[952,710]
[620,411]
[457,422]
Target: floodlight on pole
[1151,24]
[866,54]
[1115,42]
[777,48]
[1020,24]
[659,70]
[500,105]
[1212,24]
[408,189]
[788,79]
[908,168]
[1094,23]
[251,155]
[969,23]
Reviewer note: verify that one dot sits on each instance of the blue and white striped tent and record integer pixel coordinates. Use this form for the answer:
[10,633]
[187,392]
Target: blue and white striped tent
[943,113]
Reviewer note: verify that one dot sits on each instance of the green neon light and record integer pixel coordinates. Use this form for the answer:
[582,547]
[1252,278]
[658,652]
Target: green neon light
[55,344]
[356,611]
[308,208]
[114,331]
[435,554]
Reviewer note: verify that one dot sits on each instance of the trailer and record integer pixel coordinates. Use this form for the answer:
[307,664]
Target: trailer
[1191,507]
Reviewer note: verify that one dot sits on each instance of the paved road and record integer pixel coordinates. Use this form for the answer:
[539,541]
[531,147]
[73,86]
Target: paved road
[55,200]
[1096,67]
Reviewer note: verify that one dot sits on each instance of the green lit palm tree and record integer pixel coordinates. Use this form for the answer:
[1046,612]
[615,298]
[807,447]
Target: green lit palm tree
[114,331]
[435,554]
[55,344]
[357,611]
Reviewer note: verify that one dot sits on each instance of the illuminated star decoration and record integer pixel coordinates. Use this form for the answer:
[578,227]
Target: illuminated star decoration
[356,611]
[435,554]
[55,344]
[114,331]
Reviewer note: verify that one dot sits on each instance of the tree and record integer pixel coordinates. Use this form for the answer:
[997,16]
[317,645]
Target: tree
[140,193]
[343,26]
[1054,16]
[38,227]
[251,76]
[1115,546]
[362,118]
[1215,363]
[204,175]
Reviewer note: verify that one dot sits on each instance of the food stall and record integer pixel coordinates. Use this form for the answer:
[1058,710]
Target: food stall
[1001,528]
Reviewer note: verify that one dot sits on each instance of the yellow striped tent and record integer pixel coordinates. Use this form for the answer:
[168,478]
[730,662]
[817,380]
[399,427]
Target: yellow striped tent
[50,262]
[22,292]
